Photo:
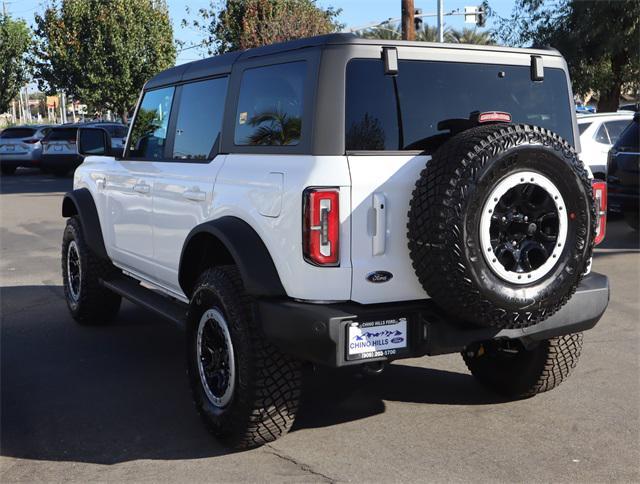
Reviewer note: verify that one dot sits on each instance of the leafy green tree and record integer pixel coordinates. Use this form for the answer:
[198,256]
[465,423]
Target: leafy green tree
[103,51]
[15,42]
[599,39]
[243,24]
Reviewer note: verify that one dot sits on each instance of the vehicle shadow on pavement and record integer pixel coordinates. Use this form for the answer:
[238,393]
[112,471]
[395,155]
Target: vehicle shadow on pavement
[28,180]
[334,397]
[93,394]
[119,392]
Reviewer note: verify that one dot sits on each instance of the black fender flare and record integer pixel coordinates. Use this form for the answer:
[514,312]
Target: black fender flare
[80,202]
[246,249]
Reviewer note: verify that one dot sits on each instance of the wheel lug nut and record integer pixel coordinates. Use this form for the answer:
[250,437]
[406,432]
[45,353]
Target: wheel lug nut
[526,219]
[504,219]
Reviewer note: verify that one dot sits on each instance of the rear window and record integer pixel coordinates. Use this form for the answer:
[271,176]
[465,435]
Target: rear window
[582,127]
[431,92]
[62,134]
[630,138]
[13,133]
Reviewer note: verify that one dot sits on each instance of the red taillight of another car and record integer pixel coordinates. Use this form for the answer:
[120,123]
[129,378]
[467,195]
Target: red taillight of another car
[600,198]
[31,141]
[321,226]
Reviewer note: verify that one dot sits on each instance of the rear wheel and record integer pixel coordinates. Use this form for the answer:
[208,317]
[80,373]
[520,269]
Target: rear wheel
[89,302]
[245,389]
[508,368]
[8,170]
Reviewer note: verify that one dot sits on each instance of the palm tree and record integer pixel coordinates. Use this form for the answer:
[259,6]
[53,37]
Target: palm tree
[383,32]
[430,34]
[280,129]
[471,36]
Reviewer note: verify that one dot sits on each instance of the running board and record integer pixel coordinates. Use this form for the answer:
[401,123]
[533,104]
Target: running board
[174,311]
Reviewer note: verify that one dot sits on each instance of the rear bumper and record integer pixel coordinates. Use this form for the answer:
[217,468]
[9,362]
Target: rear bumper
[318,333]
[31,158]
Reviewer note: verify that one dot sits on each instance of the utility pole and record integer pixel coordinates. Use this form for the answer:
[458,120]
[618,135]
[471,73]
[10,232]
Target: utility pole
[440,20]
[408,25]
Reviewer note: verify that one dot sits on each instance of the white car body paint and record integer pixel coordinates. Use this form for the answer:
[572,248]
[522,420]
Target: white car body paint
[594,152]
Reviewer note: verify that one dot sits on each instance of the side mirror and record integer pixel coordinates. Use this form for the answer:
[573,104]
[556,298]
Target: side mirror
[94,142]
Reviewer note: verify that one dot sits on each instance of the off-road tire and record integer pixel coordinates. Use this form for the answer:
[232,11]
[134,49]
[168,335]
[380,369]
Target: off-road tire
[8,170]
[95,305]
[268,383]
[528,372]
[444,220]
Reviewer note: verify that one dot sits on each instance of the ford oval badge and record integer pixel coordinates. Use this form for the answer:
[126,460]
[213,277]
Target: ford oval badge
[379,276]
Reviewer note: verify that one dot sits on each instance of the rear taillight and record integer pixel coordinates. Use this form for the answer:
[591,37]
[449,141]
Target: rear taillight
[321,226]
[600,198]
[31,141]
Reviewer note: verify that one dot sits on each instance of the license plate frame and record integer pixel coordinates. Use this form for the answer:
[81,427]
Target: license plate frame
[371,339]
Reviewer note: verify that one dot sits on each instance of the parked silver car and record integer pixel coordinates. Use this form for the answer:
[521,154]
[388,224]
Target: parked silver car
[21,146]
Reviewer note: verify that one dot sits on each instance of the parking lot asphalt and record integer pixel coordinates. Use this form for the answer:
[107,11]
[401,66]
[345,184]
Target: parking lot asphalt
[112,403]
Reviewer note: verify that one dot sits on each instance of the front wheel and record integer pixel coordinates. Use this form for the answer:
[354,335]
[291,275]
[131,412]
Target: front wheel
[89,302]
[508,368]
[245,389]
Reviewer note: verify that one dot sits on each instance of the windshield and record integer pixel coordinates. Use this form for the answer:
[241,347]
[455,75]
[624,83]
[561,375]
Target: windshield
[432,92]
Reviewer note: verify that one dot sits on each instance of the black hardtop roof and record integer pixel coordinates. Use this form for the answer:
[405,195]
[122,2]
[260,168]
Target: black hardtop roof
[222,64]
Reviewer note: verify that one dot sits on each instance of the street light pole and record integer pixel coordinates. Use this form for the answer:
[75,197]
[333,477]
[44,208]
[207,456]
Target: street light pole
[440,20]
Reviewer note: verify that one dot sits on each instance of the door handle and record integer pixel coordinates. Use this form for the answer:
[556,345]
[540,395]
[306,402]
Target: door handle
[141,188]
[380,235]
[195,195]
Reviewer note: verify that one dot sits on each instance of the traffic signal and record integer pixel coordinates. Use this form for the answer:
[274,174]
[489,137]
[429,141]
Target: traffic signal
[417,21]
[481,16]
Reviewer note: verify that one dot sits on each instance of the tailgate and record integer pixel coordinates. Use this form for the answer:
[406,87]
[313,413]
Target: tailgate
[380,194]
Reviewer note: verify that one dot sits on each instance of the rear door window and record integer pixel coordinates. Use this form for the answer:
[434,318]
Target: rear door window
[630,138]
[602,136]
[199,119]
[149,132]
[429,93]
[270,105]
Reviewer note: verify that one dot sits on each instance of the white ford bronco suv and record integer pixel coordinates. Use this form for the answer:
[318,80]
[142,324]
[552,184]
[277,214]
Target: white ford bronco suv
[340,201]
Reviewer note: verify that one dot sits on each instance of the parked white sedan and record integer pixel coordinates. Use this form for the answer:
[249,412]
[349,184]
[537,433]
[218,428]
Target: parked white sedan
[598,132]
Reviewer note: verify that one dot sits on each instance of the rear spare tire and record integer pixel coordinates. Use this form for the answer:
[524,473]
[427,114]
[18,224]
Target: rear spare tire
[501,225]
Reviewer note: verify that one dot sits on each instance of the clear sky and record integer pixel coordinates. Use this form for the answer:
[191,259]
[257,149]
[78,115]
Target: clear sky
[355,13]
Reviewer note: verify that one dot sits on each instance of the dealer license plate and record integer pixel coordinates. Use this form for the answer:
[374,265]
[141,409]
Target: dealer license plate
[375,339]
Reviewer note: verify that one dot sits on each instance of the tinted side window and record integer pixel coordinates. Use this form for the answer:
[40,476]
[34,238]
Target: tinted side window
[615,128]
[602,136]
[371,113]
[149,132]
[270,105]
[199,119]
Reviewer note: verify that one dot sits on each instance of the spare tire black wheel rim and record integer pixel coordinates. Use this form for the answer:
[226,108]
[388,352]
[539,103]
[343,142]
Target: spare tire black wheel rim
[523,227]
[216,360]
[74,273]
